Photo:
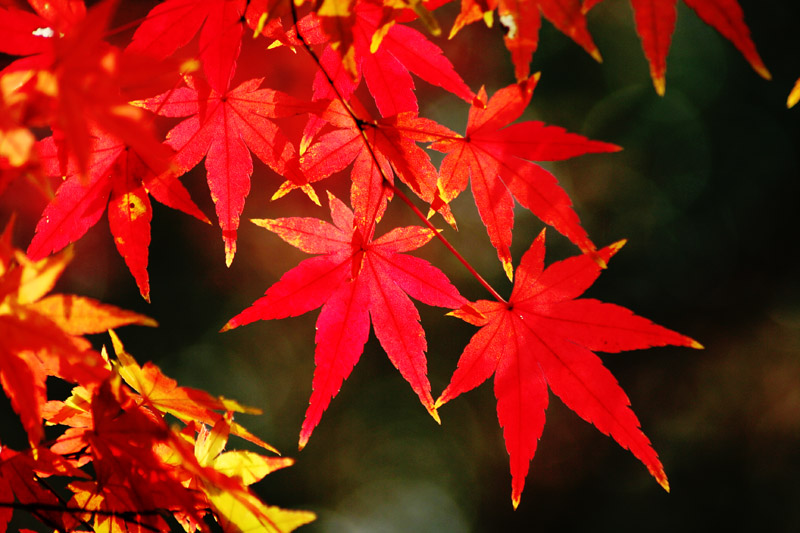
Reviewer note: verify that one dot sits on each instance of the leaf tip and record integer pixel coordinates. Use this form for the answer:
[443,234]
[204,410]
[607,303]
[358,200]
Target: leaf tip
[228,326]
[263,222]
[515,500]
[116,342]
[302,443]
[602,257]
[509,269]
[450,219]
[657,471]
[311,193]
[147,321]
[230,250]
[282,191]
[697,346]
[660,85]
[435,414]
[794,96]
[762,71]
[595,53]
[617,246]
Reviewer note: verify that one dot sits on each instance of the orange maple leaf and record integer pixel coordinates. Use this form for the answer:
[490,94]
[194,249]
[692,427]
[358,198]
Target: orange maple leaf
[40,335]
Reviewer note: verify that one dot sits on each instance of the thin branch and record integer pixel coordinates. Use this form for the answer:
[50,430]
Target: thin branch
[447,244]
[58,497]
[127,516]
[360,124]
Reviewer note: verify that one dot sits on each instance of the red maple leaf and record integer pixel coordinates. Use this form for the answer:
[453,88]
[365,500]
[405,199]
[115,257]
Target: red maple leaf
[496,157]
[173,23]
[224,127]
[117,171]
[356,280]
[386,54]
[544,337]
[655,23]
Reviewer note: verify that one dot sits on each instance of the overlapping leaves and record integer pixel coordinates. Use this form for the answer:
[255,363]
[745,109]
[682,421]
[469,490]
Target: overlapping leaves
[71,81]
[224,127]
[142,468]
[116,177]
[41,334]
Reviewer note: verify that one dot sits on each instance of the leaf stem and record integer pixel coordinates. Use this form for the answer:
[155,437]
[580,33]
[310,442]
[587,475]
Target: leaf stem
[360,124]
[446,243]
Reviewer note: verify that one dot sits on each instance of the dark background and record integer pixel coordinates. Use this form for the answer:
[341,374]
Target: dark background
[705,192]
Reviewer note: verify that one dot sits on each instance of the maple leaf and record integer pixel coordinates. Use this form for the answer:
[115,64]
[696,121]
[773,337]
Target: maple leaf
[224,127]
[385,53]
[544,337]
[356,280]
[39,337]
[378,149]
[264,18]
[336,19]
[655,23]
[119,178]
[496,157]
[163,394]
[173,23]
[522,21]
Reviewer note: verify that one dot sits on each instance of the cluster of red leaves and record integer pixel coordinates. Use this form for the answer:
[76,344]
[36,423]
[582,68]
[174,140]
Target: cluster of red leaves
[101,104]
[142,468]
